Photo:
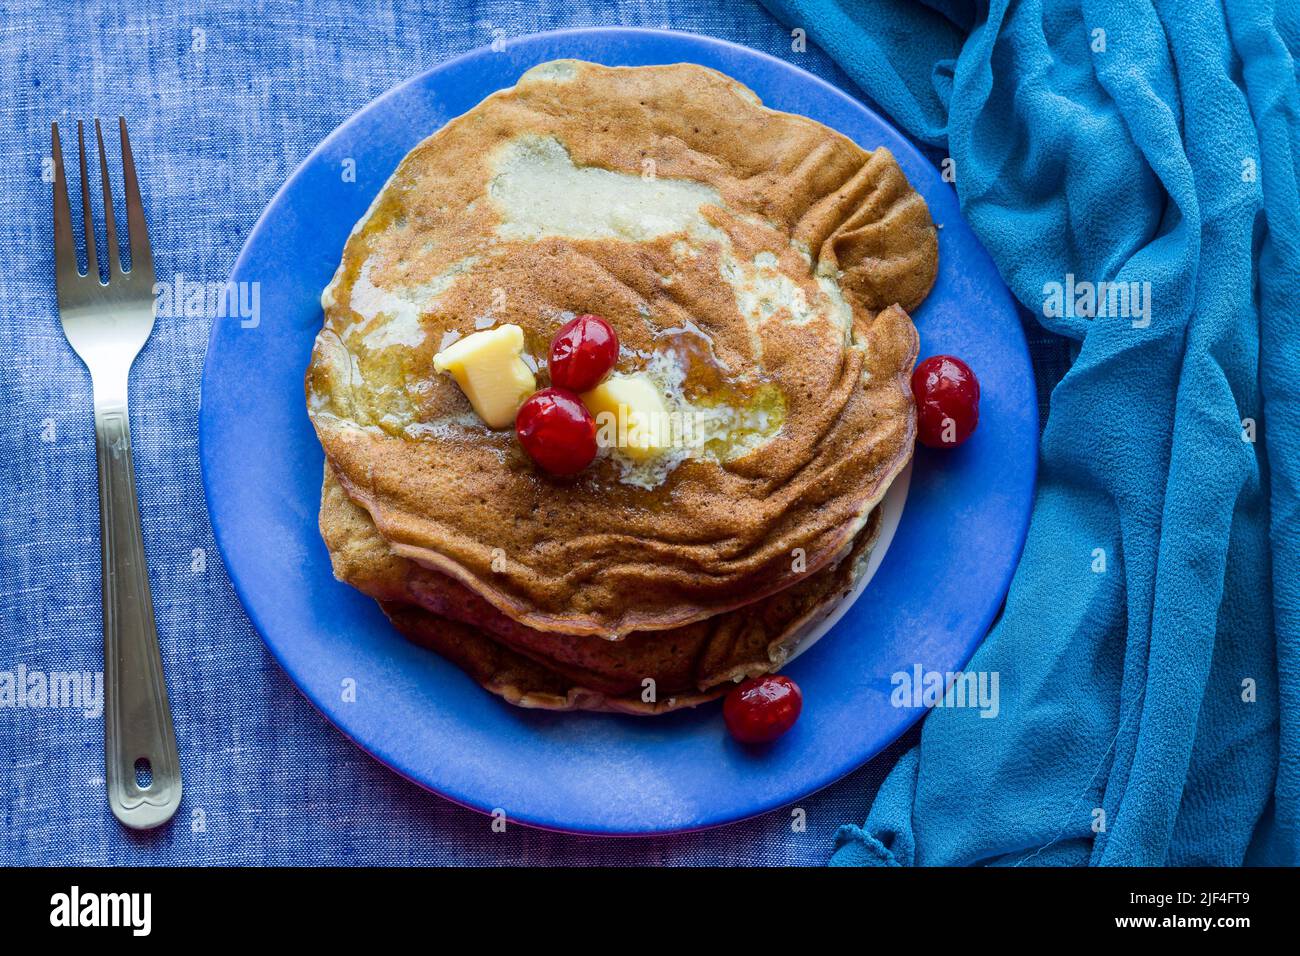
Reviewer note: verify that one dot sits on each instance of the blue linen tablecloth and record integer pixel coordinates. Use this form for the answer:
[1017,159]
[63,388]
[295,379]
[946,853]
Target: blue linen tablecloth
[223,100]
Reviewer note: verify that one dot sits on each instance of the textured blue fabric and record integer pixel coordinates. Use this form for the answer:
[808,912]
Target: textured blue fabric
[224,99]
[1148,708]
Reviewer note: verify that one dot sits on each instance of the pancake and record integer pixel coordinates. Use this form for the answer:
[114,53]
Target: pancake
[756,265]
[688,665]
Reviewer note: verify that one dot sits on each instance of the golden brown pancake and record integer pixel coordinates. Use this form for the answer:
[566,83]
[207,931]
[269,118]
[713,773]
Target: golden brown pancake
[750,261]
[688,665]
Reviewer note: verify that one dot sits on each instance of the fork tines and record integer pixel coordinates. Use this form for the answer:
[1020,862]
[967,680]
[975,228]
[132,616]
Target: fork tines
[65,254]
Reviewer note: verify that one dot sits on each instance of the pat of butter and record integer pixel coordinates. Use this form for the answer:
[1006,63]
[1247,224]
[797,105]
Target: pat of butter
[490,371]
[635,419]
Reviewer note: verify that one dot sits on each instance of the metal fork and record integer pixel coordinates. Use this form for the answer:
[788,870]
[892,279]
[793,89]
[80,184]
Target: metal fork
[107,323]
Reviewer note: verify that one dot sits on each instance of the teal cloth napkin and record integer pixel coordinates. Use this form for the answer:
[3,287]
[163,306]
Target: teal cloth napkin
[1149,651]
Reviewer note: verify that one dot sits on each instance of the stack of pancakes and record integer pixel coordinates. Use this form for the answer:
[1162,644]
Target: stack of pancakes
[756,265]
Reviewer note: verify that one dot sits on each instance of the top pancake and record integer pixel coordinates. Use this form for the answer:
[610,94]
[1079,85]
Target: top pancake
[750,261]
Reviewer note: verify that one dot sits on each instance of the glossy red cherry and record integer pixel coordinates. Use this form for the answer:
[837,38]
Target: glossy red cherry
[947,401]
[759,710]
[557,431]
[582,353]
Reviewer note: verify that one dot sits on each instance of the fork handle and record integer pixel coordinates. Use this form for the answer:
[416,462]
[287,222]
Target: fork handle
[137,717]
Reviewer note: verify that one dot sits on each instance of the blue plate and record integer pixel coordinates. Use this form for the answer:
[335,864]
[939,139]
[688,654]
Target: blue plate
[930,602]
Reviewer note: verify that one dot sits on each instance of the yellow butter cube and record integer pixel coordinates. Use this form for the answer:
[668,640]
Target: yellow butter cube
[635,418]
[491,372]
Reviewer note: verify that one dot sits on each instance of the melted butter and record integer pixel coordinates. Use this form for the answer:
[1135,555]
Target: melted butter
[717,414]
[392,316]
[553,71]
[755,405]
[539,191]
[762,290]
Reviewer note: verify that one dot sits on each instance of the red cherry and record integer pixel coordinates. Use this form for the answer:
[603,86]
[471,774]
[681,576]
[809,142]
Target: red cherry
[557,431]
[947,401]
[760,709]
[582,353]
